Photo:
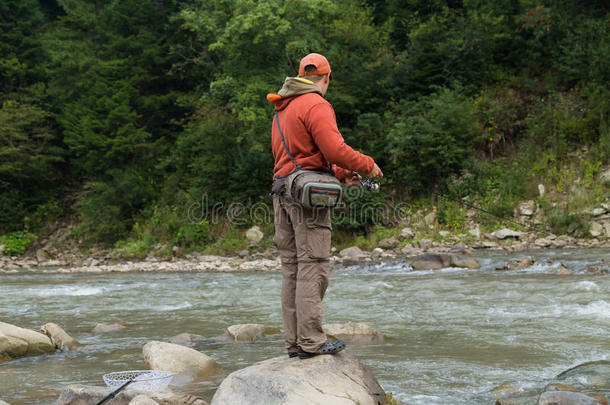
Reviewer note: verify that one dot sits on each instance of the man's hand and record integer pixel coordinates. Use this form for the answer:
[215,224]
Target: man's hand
[352,179]
[376,172]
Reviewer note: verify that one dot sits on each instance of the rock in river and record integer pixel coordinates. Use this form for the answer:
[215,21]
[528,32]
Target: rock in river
[435,261]
[59,337]
[249,332]
[178,359]
[77,394]
[355,333]
[108,327]
[18,342]
[340,379]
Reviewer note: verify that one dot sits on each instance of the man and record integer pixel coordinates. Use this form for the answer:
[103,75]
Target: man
[302,235]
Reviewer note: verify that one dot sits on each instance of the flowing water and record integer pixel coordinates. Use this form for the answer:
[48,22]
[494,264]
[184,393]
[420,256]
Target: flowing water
[452,334]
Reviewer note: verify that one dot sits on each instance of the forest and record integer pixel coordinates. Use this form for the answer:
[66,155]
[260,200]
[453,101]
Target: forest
[119,115]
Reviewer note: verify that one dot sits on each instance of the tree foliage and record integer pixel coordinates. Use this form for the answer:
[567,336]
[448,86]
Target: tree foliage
[121,110]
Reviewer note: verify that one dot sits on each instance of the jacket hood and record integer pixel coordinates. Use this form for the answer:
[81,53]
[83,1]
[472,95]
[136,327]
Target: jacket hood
[293,86]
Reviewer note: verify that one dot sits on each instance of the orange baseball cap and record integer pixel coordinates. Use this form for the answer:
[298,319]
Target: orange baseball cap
[319,61]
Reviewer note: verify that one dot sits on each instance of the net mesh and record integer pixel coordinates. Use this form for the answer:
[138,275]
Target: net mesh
[144,380]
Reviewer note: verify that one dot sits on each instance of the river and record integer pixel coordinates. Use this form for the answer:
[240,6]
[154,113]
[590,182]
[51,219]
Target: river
[451,335]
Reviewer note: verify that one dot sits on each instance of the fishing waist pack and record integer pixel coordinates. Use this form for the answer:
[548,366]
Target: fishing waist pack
[309,188]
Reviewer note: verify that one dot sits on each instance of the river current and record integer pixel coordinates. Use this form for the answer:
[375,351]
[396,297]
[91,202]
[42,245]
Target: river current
[451,335]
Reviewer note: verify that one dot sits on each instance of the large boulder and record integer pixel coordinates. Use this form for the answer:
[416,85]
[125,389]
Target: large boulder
[340,379]
[59,337]
[77,394]
[18,342]
[179,360]
[435,261]
[249,332]
[354,333]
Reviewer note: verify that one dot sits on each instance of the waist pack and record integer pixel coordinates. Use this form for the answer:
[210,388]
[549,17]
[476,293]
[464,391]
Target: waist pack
[309,188]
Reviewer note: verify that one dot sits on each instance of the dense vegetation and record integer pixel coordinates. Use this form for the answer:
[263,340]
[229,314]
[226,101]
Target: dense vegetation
[122,114]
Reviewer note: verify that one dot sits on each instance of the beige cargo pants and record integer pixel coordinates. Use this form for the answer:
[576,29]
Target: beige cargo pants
[302,236]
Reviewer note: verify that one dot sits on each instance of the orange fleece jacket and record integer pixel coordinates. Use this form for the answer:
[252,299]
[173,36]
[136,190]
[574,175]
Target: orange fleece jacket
[309,126]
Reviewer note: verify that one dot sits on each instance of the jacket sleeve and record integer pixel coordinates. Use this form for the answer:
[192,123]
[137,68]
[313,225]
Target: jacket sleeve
[322,125]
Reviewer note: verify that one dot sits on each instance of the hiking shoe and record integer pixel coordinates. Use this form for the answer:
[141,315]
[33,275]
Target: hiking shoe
[293,354]
[327,348]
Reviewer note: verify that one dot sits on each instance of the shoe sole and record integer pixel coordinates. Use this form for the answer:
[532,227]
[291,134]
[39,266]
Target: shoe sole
[307,355]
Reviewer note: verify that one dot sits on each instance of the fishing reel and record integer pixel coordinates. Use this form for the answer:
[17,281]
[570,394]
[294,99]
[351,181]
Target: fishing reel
[370,185]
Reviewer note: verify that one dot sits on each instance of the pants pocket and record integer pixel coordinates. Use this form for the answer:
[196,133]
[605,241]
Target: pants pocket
[318,242]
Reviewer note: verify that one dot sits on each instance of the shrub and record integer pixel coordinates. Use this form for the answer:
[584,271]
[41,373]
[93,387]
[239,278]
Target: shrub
[16,243]
[432,139]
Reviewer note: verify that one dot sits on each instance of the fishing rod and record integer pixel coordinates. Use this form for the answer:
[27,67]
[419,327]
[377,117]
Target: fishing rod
[467,204]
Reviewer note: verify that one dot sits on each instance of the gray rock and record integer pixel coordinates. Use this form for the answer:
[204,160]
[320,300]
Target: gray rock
[389,243]
[77,394]
[185,339]
[18,342]
[1,401]
[506,233]
[250,332]
[376,253]
[352,252]
[542,242]
[598,212]
[435,261]
[595,229]
[476,232]
[354,333]
[425,243]
[340,379]
[410,251]
[566,398]
[527,208]
[143,400]
[59,337]
[407,233]
[108,327]
[489,245]
[178,359]
[254,234]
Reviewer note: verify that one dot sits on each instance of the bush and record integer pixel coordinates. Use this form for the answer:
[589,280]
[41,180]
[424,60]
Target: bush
[432,139]
[16,243]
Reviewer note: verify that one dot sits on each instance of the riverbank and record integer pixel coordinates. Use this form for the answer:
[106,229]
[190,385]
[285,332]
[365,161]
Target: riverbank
[100,261]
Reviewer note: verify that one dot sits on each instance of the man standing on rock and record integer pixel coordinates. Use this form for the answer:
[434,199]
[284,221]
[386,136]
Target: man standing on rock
[302,235]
